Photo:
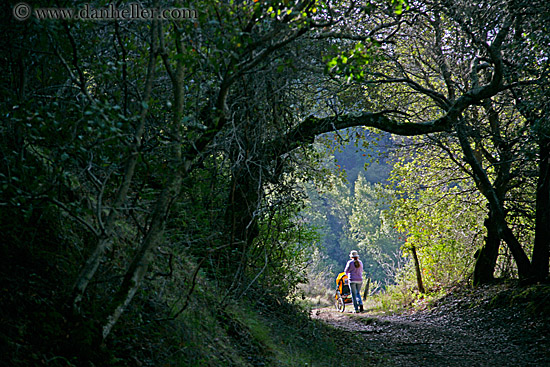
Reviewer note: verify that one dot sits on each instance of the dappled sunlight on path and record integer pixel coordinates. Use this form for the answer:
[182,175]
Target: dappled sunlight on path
[449,335]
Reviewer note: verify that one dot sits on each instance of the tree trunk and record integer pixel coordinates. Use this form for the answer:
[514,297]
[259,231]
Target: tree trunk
[242,226]
[92,263]
[140,263]
[495,204]
[366,292]
[417,271]
[541,252]
[487,256]
[138,268]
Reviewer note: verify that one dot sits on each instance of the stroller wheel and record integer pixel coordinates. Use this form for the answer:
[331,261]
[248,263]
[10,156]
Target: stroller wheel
[339,304]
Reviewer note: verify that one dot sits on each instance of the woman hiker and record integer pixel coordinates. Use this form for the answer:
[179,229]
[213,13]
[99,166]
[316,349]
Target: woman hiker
[354,271]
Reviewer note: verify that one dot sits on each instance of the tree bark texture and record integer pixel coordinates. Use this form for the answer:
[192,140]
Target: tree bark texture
[487,255]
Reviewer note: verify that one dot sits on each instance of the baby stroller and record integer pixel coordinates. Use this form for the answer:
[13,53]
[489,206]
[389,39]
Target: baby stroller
[343,292]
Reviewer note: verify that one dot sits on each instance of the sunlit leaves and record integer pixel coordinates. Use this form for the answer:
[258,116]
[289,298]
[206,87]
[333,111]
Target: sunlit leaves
[351,59]
[353,63]
[440,214]
[399,6]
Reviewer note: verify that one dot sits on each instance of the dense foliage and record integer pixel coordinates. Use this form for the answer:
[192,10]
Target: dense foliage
[148,168]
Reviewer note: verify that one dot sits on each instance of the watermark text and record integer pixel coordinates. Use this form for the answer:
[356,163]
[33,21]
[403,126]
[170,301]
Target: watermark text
[134,11]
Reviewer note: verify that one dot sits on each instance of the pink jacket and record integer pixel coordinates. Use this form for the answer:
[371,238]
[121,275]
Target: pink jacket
[354,274]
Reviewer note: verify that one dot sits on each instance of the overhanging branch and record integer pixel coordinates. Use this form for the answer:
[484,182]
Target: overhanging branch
[313,126]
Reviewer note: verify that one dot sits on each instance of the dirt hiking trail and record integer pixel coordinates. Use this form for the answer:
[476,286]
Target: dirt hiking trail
[461,330]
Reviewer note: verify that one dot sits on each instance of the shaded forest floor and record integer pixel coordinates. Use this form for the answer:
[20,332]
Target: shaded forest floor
[497,325]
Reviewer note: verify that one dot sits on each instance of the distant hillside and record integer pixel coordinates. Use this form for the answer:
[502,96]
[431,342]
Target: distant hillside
[372,150]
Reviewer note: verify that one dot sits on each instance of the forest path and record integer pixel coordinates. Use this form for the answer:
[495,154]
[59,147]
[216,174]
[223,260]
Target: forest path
[447,335]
